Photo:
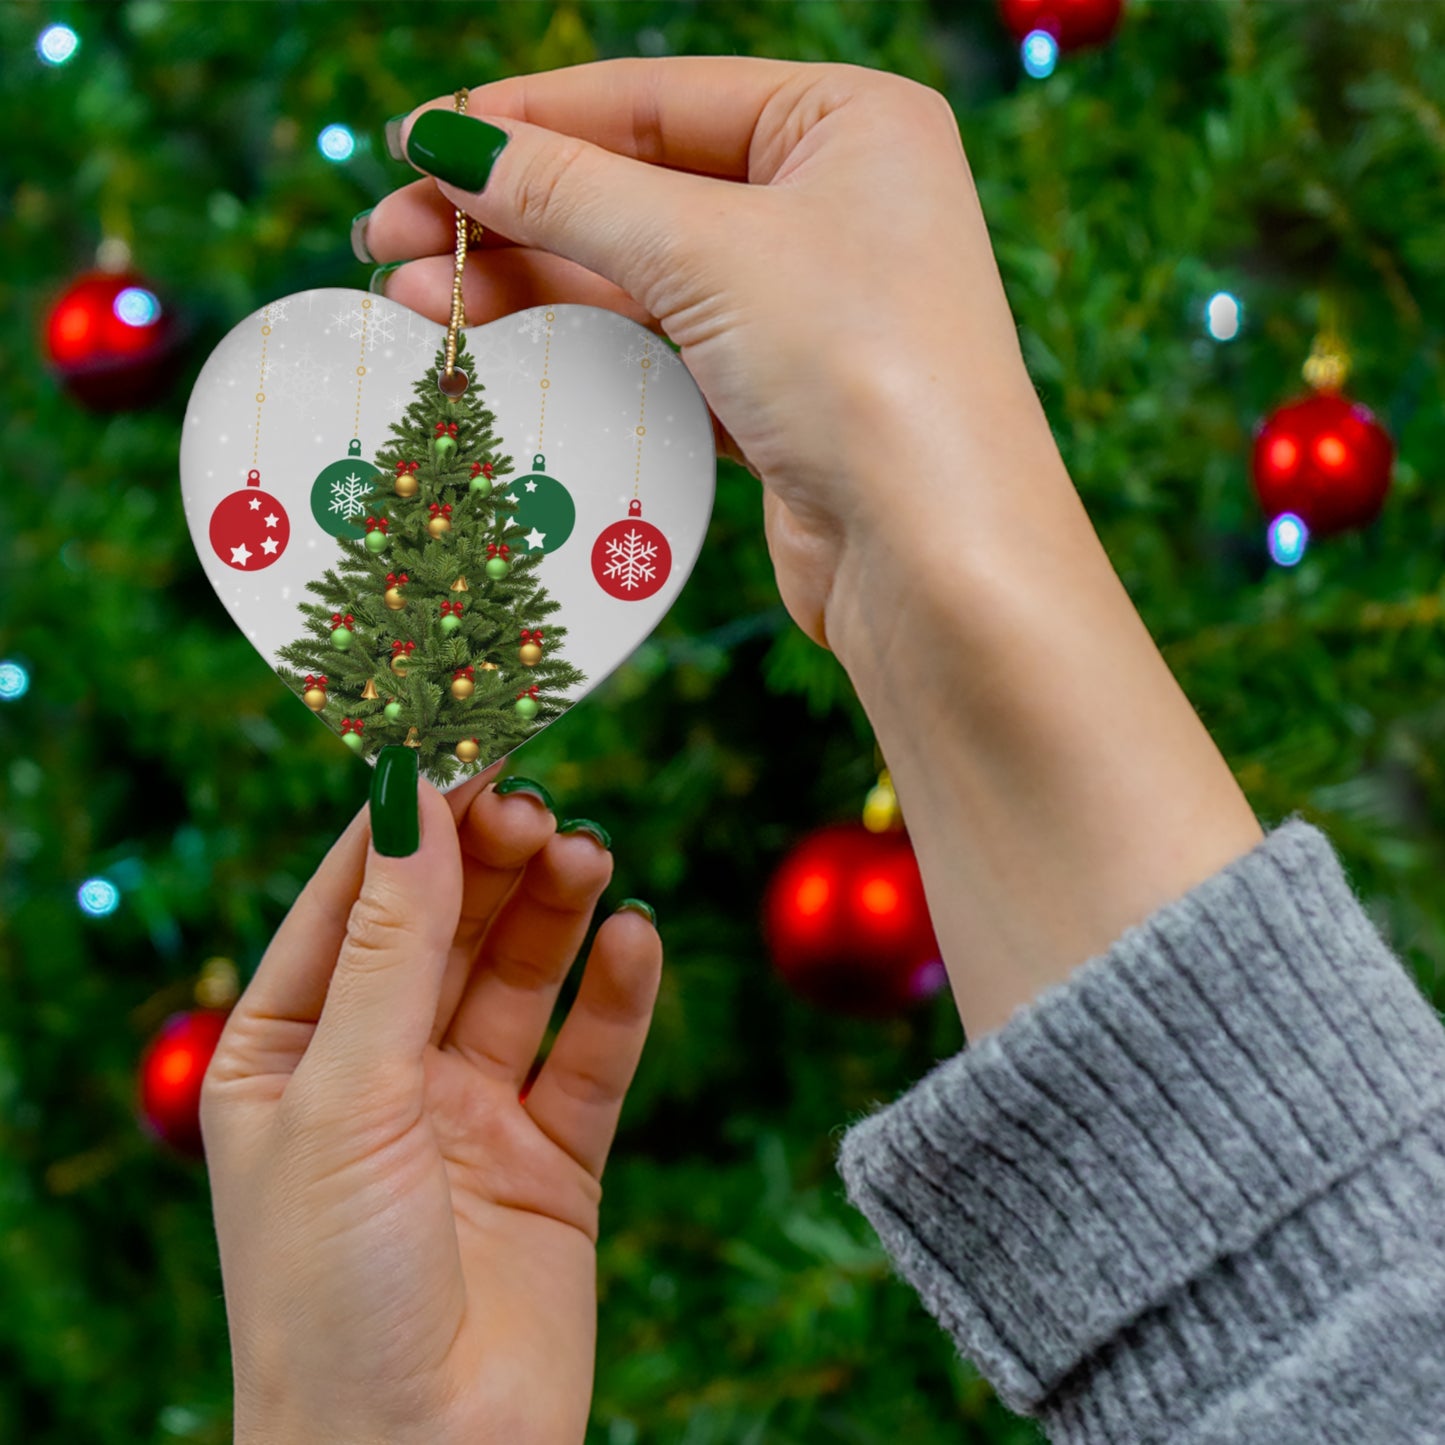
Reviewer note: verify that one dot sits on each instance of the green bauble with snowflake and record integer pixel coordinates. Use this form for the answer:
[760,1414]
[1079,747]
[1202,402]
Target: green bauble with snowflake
[340,493]
[545,513]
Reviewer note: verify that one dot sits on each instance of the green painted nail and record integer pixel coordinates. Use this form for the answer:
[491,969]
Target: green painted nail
[359,248]
[514,784]
[395,820]
[393,136]
[377,284]
[586,825]
[455,148]
[636,905]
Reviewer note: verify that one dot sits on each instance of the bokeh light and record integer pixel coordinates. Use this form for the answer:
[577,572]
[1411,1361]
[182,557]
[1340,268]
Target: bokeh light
[336,143]
[14,681]
[57,44]
[1040,52]
[98,897]
[137,307]
[1223,316]
[1288,538]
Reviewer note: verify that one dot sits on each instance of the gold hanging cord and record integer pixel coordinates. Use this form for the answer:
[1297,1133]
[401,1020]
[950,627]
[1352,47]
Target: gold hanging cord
[453,383]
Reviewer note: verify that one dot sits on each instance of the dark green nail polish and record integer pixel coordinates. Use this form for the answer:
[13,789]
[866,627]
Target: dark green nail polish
[395,820]
[393,136]
[377,284]
[586,825]
[515,784]
[359,248]
[455,148]
[636,905]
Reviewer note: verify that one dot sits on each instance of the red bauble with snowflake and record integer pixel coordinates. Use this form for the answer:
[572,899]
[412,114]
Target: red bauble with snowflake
[631,559]
[111,341]
[171,1071]
[847,923]
[1073,23]
[250,528]
[1326,459]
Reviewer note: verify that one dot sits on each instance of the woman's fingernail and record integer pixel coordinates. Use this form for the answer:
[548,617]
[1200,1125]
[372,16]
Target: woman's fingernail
[586,825]
[359,248]
[377,284]
[395,815]
[455,148]
[393,137]
[515,784]
[636,905]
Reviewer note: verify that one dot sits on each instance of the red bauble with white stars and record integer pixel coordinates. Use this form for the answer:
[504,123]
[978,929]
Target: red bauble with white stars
[250,528]
[1326,459]
[631,559]
[847,923]
[1073,23]
[111,341]
[171,1071]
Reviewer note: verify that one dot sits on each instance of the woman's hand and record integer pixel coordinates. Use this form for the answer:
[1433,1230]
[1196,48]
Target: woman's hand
[834,310]
[407,1248]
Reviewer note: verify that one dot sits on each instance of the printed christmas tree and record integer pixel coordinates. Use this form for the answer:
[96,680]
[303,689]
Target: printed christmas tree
[429,630]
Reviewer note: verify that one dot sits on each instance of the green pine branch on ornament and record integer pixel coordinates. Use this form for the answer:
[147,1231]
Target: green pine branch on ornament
[430,631]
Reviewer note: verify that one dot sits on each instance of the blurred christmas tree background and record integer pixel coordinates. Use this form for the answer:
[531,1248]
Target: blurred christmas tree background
[1291,155]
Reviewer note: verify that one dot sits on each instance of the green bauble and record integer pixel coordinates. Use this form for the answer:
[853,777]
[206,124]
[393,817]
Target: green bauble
[340,494]
[481,484]
[445,446]
[450,624]
[376,541]
[527,708]
[341,641]
[545,512]
[353,741]
[497,568]
[392,711]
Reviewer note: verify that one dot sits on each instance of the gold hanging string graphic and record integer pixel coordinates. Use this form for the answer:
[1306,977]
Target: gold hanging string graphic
[545,384]
[361,365]
[641,429]
[452,382]
[261,386]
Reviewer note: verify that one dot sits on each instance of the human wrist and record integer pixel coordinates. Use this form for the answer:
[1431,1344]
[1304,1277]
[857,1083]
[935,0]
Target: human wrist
[1057,784]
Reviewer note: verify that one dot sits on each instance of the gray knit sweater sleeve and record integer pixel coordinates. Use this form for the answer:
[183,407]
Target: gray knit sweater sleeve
[1196,1192]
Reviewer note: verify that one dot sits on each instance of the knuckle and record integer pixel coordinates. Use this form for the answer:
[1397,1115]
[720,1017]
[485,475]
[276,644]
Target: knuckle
[374,934]
[542,188]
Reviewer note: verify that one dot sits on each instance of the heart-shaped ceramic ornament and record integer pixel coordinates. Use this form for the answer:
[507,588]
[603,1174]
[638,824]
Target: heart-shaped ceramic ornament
[451,574]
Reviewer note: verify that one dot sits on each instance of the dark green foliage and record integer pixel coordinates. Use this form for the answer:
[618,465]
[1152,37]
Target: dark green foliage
[1280,151]
[494,610]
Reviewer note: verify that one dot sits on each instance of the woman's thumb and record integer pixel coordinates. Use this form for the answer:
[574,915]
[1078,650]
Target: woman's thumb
[382,999]
[621,218]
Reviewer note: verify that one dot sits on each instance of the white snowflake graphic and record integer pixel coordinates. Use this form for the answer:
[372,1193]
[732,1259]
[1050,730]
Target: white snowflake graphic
[534,325]
[648,348]
[276,311]
[348,496]
[379,325]
[631,559]
[299,380]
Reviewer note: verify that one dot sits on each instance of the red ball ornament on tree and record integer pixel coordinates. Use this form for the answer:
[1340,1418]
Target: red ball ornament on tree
[1324,458]
[847,924]
[111,341]
[1073,23]
[171,1071]
[250,528]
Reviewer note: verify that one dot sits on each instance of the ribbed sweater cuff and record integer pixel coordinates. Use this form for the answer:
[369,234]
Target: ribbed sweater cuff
[1129,1155]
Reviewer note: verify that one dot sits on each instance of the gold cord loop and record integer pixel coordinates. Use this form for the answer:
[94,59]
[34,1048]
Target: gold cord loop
[452,382]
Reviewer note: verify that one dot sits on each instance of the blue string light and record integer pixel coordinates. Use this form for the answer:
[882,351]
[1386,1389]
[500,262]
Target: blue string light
[14,681]
[1223,316]
[1288,538]
[57,44]
[98,897]
[336,143]
[1040,53]
[137,307]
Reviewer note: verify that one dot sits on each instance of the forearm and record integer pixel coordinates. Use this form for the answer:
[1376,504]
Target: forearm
[1057,784]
